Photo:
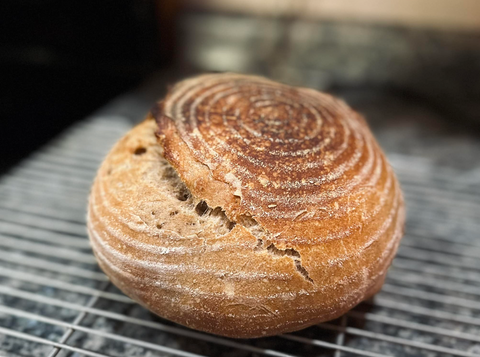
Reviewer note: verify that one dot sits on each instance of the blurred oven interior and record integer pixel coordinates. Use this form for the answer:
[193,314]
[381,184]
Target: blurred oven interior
[77,74]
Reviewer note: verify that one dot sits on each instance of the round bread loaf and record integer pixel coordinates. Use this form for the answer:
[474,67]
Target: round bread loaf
[246,208]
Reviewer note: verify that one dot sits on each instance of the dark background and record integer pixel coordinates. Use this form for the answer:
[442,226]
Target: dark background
[60,60]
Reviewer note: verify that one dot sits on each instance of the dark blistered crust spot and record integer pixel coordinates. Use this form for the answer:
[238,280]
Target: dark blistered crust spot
[140,151]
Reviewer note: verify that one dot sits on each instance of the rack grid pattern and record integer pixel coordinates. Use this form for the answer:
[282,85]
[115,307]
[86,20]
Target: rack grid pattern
[54,300]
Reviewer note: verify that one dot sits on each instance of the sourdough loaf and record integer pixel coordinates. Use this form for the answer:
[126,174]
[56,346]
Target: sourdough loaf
[246,208]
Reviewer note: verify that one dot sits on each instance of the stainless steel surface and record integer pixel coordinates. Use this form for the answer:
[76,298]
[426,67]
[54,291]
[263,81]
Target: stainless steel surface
[54,300]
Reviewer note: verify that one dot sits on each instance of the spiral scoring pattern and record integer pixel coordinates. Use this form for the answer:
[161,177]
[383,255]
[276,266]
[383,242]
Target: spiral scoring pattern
[290,153]
[300,164]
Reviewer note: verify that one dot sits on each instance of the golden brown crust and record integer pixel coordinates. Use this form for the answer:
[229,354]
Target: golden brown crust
[312,211]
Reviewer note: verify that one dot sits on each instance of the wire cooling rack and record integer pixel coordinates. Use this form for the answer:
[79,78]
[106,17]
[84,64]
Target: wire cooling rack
[54,300]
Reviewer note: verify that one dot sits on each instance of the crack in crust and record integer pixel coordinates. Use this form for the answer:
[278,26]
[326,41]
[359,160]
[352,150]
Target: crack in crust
[202,209]
[295,255]
[249,223]
[257,230]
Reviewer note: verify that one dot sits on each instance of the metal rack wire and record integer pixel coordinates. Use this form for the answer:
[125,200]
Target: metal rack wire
[54,301]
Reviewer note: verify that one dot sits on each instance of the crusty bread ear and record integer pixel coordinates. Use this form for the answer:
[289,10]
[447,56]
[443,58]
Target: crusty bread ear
[246,208]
